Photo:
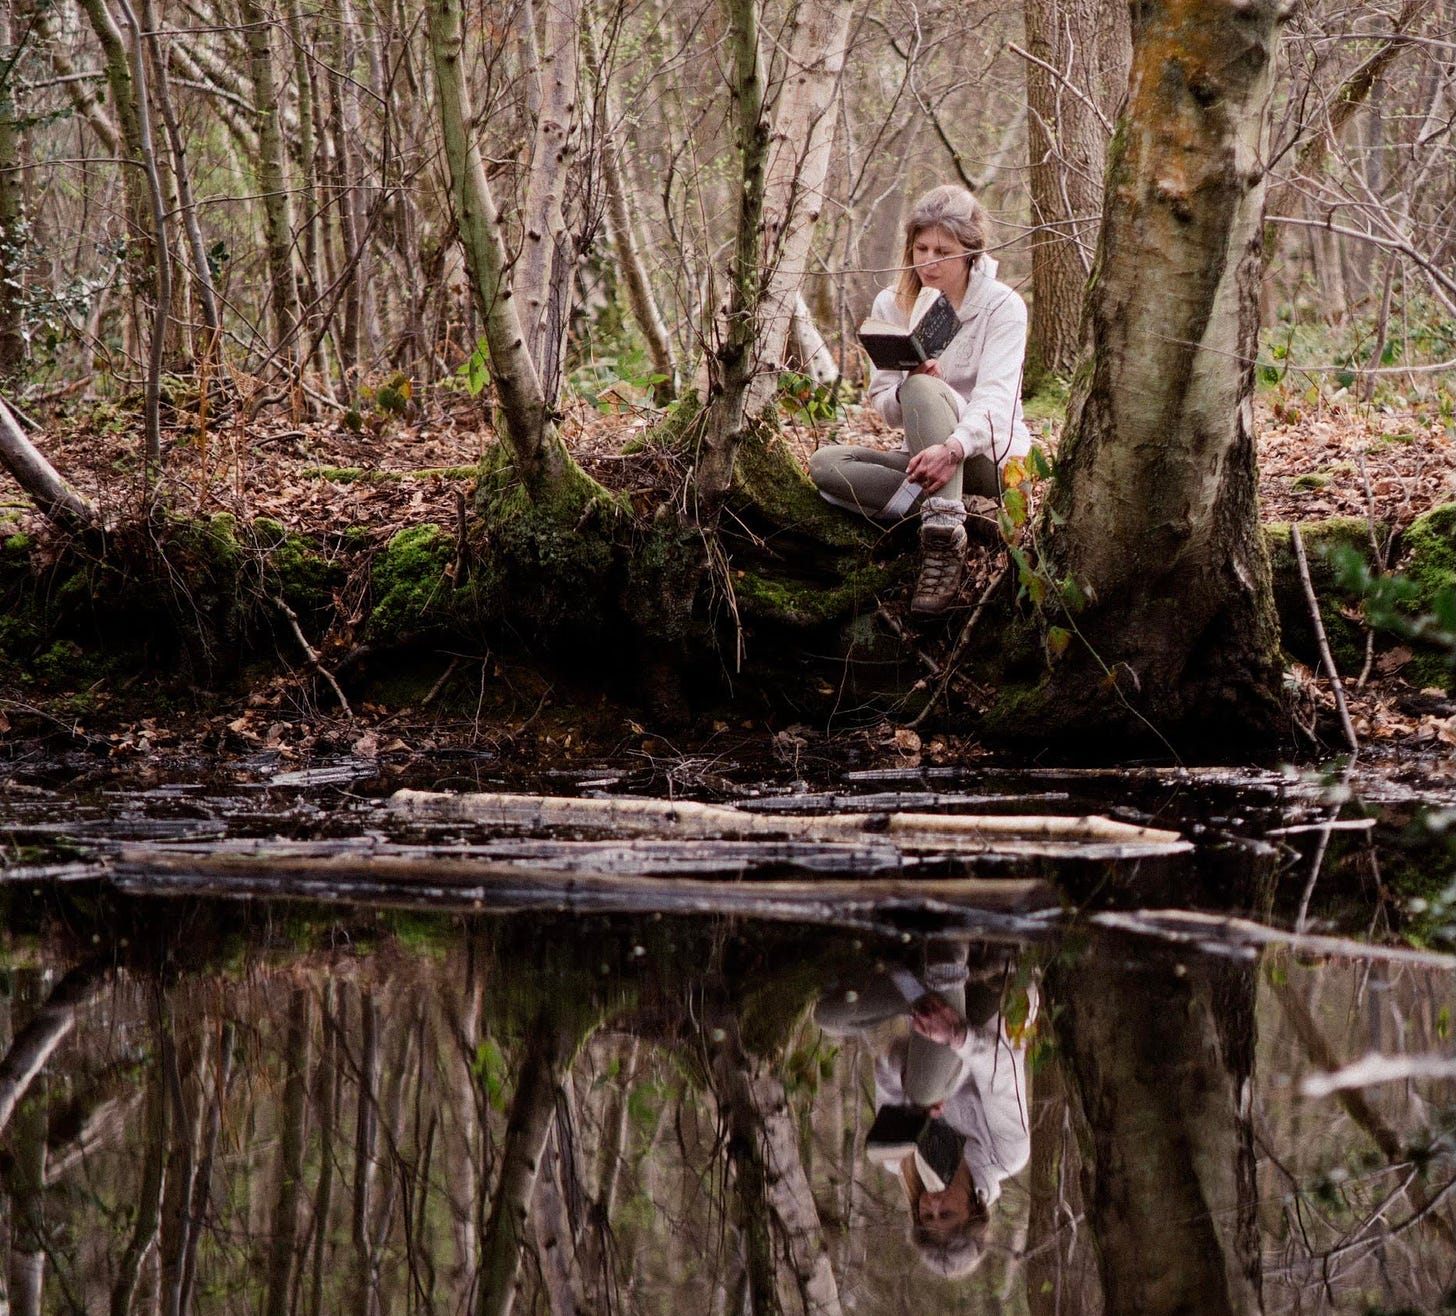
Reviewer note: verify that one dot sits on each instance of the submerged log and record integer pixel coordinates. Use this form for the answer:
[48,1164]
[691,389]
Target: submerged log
[433,881]
[1000,833]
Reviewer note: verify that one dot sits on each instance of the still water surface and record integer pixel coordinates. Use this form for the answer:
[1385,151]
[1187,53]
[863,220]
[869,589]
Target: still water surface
[262,1056]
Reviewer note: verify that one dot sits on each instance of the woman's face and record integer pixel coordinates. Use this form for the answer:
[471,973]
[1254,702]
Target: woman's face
[941,262]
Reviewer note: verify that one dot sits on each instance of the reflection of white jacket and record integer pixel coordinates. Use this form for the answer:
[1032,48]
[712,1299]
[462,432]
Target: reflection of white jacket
[990,1105]
[982,365]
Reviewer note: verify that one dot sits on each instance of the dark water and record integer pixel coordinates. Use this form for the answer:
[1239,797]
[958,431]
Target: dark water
[277,1048]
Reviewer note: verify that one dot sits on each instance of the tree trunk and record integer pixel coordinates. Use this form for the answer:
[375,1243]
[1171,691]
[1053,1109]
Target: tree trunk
[272,181]
[533,1107]
[803,142]
[633,269]
[736,360]
[776,1202]
[1163,1066]
[539,453]
[292,1113]
[46,1030]
[1081,51]
[13,246]
[53,495]
[543,272]
[1151,534]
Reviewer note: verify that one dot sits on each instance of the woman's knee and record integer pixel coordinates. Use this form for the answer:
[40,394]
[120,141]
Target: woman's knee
[824,464]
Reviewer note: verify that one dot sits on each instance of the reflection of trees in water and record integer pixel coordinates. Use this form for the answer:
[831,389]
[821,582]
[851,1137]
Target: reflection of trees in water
[646,1119]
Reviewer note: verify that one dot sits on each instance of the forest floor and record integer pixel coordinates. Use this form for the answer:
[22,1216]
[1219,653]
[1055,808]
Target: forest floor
[321,479]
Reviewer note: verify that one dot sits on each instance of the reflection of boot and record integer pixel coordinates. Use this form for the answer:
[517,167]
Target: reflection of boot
[942,555]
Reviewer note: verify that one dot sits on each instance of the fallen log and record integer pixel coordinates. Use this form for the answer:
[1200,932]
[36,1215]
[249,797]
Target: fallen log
[1050,835]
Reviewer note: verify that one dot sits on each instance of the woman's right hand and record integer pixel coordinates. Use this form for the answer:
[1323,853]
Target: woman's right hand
[931,368]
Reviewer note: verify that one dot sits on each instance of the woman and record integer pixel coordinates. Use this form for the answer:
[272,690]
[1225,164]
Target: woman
[961,412]
[958,1063]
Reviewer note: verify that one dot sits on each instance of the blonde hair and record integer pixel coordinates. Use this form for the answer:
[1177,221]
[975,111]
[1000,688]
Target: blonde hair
[956,211]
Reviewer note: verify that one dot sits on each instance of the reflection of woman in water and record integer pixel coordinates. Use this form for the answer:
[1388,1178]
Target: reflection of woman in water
[961,1069]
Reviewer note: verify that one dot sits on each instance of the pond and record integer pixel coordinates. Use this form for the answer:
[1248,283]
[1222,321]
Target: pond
[297,1043]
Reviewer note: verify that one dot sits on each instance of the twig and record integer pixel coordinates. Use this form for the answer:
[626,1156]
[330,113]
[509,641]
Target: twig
[1319,633]
[1380,566]
[312,654]
[893,623]
[955,654]
[440,684]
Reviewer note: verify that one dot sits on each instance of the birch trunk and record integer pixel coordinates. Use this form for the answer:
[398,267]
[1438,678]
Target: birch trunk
[625,241]
[272,181]
[735,363]
[1153,513]
[283,1244]
[12,214]
[776,1201]
[46,1030]
[126,107]
[149,1199]
[533,1108]
[804,121]
[25,1179]
[191,224]
[537,449]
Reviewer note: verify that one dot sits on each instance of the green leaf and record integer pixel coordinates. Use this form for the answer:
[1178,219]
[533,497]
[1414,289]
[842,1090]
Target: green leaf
[1013,502]
[1072,597]
[1036,459]
[1057,640]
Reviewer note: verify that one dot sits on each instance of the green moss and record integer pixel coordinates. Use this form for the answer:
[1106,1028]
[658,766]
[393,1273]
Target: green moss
[412,592]
[17,546]
[1338,606]
[365,475]
[674,429]
[768,479]
[1429,563]
[1312,480]
[806,603]
[550,563]
[294,570]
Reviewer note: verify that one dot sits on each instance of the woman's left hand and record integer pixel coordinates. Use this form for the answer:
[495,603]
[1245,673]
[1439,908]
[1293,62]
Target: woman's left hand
[933,466]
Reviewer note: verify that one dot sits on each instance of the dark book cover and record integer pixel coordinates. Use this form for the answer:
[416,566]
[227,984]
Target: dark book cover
[900,1131]
[893,348]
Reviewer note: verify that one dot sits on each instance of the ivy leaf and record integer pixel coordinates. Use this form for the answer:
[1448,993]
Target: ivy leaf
[1057,640]
[1040,467]
[1013,502]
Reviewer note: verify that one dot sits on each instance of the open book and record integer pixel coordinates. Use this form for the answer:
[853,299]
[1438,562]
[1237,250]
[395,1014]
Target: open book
[900,1131]
[933,323]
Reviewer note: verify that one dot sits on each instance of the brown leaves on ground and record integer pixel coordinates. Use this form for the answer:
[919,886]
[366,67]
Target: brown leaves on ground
[319,478]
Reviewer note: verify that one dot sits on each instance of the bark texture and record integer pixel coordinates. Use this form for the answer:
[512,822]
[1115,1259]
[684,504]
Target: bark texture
[1153,513]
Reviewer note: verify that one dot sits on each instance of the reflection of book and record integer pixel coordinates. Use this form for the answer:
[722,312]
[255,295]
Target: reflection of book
[933,323]
[901,1131]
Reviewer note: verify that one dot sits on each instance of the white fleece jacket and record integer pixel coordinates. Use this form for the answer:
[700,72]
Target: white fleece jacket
[982,365]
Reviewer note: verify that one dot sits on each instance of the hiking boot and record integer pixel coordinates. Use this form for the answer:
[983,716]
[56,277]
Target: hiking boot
[942,555]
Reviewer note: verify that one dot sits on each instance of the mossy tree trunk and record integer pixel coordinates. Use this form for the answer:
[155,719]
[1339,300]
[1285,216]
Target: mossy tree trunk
[1151,533]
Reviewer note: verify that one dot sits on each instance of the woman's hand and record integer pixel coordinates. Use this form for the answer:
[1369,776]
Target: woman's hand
[933,466]
[933,1018]
[931,368]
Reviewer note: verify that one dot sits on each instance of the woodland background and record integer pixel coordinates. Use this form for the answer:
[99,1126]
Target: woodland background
[231,264]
